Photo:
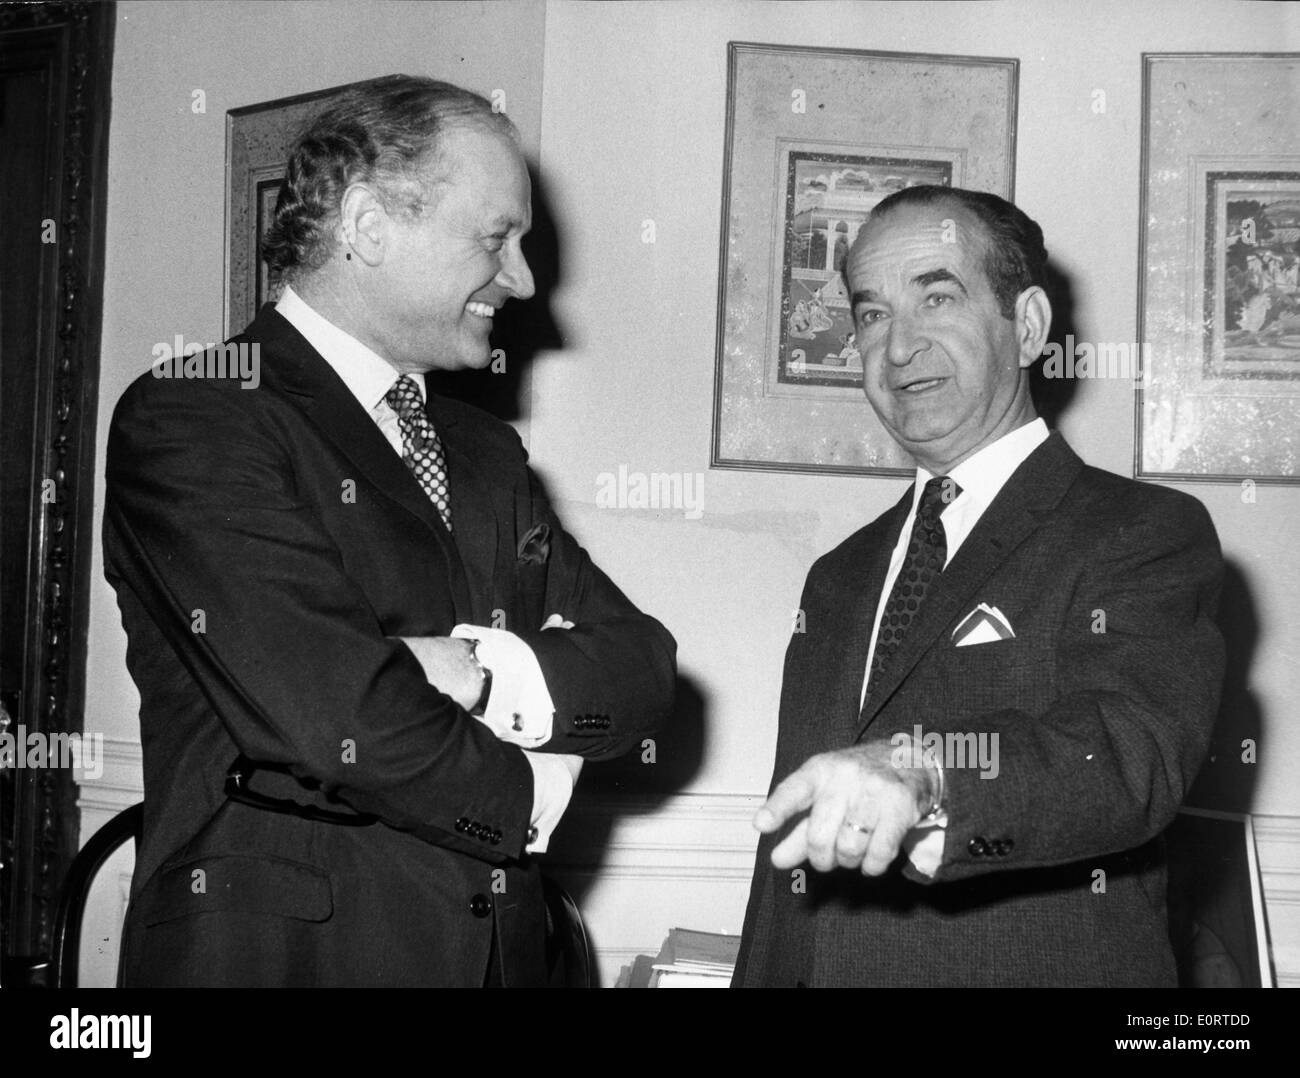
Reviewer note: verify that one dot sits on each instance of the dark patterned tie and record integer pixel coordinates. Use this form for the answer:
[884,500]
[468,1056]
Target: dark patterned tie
[421,448]
[927,550]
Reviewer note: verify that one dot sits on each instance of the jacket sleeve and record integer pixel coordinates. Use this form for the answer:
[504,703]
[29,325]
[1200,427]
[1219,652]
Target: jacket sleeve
[203,523]
[611,676]
[1138,668]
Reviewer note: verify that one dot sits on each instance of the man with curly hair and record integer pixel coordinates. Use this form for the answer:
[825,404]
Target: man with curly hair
[370,658]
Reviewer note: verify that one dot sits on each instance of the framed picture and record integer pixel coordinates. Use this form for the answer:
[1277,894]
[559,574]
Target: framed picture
[258,138]
[1252,303]
[1219,282]
[815,138]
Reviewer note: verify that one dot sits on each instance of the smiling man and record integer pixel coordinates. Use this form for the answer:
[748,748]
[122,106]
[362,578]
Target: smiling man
[1006,683]
[370,659]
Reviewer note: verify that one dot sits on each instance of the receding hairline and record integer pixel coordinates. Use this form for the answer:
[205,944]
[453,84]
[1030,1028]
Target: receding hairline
[946,201]
[438,165]
[939,204]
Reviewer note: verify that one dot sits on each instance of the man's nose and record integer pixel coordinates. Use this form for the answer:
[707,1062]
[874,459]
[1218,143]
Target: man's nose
[905,340]
[515,274]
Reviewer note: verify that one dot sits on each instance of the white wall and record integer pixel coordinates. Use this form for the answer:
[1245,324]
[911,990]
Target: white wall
[629,119]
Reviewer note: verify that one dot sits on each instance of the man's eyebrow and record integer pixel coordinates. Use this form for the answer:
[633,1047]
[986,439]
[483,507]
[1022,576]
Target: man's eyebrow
[921,280]
[504,223]
[934,276]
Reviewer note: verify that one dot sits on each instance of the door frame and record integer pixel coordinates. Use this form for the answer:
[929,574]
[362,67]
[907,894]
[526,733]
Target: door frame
[38,807]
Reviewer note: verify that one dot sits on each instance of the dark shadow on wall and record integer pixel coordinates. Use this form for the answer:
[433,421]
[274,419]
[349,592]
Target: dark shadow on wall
[656,771]
[1227,781]
[1211,918]
[1052,396]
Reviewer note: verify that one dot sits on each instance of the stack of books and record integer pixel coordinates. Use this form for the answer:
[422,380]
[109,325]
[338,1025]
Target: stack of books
[688,959]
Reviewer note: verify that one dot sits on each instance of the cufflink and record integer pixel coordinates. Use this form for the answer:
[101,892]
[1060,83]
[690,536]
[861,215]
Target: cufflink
[480,706]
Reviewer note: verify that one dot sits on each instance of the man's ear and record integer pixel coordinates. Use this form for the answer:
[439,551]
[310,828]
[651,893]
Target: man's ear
[363,222]
[1033,321]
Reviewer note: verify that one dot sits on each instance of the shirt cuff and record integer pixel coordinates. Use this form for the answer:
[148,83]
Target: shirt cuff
[519,708]
[553,778]
[924,844]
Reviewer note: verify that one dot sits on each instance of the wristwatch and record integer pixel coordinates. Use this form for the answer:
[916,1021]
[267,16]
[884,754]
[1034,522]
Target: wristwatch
[936,809]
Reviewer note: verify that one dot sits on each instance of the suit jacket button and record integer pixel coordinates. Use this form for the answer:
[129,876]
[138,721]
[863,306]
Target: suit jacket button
[479,906]
[532,836]
[495,838]
[977,847]
[1003,847]
[462,825]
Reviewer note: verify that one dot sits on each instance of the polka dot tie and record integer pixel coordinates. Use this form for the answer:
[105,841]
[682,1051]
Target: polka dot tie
[421,448]
[927,550]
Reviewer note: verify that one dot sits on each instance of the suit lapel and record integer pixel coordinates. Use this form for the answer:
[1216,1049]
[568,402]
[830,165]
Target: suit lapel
[863,586]
[305,376]
[1033,490]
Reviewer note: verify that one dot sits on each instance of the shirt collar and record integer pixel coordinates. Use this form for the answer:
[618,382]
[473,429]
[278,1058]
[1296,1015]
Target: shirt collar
[365,372]
[983,474]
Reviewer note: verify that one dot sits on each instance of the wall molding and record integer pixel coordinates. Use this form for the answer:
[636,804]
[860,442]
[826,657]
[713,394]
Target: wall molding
[120,786]
[685,836]
[1277,841]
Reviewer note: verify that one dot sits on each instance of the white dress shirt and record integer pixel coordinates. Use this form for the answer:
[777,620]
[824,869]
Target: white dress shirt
[980,476]
[520,709]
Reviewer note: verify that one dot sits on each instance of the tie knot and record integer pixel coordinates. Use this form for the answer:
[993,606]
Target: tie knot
[404,398]
[939,493]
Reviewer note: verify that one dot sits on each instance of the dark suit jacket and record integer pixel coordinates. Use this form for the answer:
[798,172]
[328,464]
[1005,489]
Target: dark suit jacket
[1099,736]
[265,545]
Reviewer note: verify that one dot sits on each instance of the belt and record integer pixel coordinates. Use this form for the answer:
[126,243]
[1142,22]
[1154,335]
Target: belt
[237,789]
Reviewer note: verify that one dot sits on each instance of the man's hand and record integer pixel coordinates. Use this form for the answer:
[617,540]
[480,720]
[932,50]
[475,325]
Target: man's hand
[449,666]
[860,807]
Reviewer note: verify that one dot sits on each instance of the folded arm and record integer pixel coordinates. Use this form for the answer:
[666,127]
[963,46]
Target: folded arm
[245,582]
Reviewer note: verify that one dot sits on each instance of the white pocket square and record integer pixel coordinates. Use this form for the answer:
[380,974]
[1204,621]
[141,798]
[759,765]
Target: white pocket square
[983,625]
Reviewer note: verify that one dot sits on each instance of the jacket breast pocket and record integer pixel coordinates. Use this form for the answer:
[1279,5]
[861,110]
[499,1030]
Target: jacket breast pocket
[1013,673]
[237,883]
